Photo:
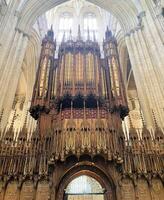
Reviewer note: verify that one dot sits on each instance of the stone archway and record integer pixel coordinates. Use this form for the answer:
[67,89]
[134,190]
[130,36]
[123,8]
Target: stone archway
[104,179]
[126,14]
[84,187]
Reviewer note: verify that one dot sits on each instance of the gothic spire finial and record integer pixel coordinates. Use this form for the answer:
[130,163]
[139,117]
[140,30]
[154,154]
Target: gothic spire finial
[94,36]
[25,121]
[10,132]
[79,32]
[88,34]
[13,120]
[23,132]
[51,27]
[130,122]
[50,33]
[70,34]
[108,33]
[63,40]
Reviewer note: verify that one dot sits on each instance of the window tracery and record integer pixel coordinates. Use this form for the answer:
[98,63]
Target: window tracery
[65,25]
[84,185]
[90,23]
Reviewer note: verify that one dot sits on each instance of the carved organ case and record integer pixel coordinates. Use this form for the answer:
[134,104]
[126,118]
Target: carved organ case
[79,68]
[113,75]
[43,86]
[79,97]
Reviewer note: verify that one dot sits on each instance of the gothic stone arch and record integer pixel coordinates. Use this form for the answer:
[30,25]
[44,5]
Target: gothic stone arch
[84,168]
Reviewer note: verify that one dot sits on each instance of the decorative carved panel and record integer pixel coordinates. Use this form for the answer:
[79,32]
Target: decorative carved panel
[27,191]
[157,189]
[43,192]
[143,191]
[12,192]
[1,191]
[127,190]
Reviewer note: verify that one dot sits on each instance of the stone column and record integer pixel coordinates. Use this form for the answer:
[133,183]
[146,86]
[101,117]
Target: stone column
[154,14]
[11,72]
[43,191]
[154,81]
[7,29]
[146,74]
[155,46]
[127,189]
[158,16]
[154,36]
[2,190]
[140,83]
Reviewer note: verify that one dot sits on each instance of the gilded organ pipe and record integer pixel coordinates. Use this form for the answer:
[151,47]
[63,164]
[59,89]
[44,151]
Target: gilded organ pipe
[68,69]
[90,68]
[79,68]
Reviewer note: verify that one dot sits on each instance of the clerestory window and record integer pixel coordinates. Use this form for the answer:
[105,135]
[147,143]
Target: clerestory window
[90,23]
[65,25]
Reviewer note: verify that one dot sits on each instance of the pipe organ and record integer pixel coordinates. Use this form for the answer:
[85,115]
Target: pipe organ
[42,86]
[79,101]
[79,68]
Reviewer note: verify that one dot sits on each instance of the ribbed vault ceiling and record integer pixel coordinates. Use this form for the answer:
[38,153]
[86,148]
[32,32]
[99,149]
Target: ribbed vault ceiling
[124,10]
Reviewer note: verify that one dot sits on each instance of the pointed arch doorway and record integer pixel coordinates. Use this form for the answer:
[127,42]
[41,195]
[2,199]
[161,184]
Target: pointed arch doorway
[85,181]
[84,187]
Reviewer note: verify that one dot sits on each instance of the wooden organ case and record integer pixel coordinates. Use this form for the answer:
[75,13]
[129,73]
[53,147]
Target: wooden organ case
[80,98]
[79,102]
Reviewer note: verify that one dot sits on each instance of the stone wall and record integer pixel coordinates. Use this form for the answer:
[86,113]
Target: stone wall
[130,190]
[141,190]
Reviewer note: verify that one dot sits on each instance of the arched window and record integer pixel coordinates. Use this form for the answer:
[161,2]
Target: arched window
[65,25]
[84,187]
[90,22]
